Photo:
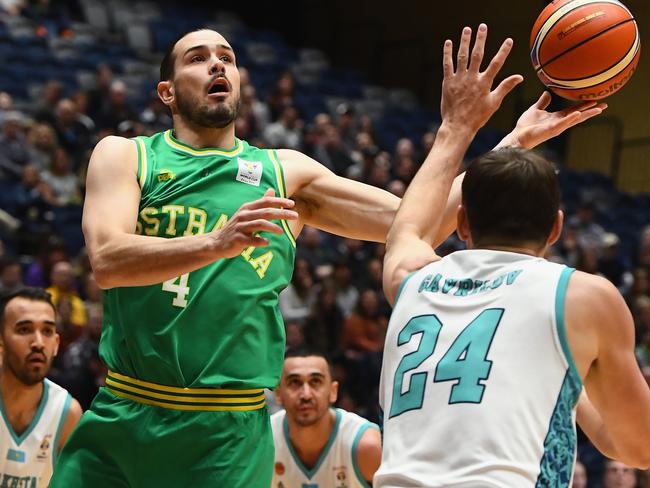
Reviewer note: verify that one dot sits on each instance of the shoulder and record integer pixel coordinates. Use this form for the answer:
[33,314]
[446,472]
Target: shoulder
[115,151]
[594,300]
[277,419]
[366,449]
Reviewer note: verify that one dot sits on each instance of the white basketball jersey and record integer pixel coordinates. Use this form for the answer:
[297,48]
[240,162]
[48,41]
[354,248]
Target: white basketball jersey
[337,465]
[478,385]
[27,460]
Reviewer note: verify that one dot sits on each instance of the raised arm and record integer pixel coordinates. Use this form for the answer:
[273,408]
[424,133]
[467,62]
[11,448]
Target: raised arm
[597,314]
[535,126]
[467,104]
[120,257]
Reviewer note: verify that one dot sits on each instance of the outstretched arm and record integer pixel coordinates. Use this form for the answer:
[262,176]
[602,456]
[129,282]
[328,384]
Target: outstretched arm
[535,126]
[467,103]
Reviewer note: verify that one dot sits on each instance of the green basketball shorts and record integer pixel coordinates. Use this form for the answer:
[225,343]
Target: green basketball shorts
[139,434]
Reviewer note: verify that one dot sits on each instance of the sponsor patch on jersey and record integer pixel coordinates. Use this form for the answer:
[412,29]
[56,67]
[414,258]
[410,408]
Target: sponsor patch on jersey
[249,172]
[279,469]
[166,175]
[16,455]
[44,450]
[340,474]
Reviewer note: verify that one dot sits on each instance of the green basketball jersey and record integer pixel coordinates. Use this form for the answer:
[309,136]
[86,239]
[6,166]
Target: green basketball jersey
[218,326]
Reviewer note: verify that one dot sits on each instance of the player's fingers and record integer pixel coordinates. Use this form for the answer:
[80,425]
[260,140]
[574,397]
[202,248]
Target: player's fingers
[270,192]
[269,201]
[499,59]
[506,87]
[447,61]
[543,101]
[479,48]
[268,214]
[260,225]
[463,49]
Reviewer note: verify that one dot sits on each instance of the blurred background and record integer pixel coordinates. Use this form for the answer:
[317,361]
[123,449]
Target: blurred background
[355,85]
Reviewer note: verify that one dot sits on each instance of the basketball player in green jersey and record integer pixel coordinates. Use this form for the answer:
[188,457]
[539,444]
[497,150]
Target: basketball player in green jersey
[191,232]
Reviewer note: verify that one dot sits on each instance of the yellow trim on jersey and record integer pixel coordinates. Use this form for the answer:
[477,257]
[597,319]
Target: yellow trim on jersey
[185,391]
[188,399]
[142,162]
[283,192]
[169,139]
[204,408]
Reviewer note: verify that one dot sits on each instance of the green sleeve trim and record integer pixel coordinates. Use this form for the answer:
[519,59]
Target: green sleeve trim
[279,176]
[560,299]
[18,439]
[57,436]
[142,162]
[355,445]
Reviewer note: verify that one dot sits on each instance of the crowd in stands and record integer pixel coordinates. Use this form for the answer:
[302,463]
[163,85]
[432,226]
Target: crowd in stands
[334,302]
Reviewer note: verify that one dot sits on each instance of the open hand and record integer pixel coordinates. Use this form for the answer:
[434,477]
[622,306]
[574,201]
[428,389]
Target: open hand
[537,125]
[468,100]
[243,229]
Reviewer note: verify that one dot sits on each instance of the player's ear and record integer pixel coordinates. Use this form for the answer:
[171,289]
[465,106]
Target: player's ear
[334,392]
[556,230]
[165,91]
[462,225]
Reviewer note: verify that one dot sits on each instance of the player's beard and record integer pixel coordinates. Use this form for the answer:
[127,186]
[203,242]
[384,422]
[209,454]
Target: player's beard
[206,115]
[24,373]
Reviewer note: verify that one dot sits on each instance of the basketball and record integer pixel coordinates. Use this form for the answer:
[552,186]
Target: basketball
[585,49]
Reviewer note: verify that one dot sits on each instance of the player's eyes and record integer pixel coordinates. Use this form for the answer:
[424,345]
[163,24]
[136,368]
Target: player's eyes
[225,59]
[197,59]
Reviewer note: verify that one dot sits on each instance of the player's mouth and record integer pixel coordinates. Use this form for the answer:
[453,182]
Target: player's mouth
[36,359]
[219,88]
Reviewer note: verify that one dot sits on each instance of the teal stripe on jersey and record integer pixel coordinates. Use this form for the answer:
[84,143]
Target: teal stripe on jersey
[355,445]
[560,298]
[556,466]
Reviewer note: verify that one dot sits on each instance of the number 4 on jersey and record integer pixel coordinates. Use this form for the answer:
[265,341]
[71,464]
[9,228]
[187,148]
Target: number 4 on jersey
[180,289]
[465,361]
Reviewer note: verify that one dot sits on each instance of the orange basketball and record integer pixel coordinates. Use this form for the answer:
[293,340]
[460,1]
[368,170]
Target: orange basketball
[585,49]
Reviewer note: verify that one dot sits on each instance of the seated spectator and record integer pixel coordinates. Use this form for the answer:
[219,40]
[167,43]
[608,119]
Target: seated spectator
[83,371]
[42,145]
[116,108]
[73,134]
[610,264]
[618,475]
[14,154]
[297,299]
[11,276]
[579,476]
[51,94]
[63,286]
[590,234]
[281,95]
[365,328]
[286,132]
[325,322]
[63,182]
[347,295]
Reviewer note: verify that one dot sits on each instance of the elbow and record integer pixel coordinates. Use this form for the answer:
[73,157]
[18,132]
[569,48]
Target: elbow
[104,273]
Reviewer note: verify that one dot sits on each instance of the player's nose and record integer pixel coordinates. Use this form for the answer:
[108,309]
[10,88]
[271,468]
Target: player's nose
[216,65]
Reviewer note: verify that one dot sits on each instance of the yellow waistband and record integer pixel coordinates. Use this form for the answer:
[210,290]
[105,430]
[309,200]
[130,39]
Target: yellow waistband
[206,399]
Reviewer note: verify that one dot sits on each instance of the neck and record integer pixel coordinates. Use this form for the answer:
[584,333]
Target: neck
[16,395]
[309,441]
[200,137]
[531,250]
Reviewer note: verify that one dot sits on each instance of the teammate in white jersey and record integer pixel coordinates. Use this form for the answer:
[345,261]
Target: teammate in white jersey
[37,414]
[317,446]
[487,349]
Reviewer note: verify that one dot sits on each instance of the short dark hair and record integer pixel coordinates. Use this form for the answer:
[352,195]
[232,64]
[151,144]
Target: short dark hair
[306,351]
[169,59]
[511,196]
[28,292]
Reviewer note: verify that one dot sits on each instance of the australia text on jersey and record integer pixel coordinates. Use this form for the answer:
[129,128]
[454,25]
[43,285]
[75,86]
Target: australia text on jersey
[151,220]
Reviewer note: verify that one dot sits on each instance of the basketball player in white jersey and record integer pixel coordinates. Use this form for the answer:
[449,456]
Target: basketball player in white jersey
[37,414]
[317,446]
[488,349]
